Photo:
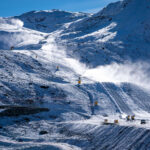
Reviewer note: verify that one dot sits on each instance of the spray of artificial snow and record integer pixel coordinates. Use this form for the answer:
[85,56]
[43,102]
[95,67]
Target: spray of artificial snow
[11,22]
[136,73]
[16,37]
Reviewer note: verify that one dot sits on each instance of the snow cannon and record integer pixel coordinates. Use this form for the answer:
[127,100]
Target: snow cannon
[106,121]
[128,117]
[79,82]
[143,121]
[96,103]
[116,121]
[133,117]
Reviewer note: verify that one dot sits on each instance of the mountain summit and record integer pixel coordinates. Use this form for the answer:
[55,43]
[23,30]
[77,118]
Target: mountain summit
[49,21]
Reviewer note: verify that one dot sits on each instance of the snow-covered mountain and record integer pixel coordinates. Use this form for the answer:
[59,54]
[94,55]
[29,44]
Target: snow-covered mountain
[43,56]
[49,21]
[118,32]
[43,21]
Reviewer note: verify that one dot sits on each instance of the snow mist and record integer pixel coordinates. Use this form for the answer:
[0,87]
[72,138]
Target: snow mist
[136,73]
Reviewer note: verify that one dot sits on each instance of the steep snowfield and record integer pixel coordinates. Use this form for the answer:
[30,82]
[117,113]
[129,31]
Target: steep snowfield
[82,45]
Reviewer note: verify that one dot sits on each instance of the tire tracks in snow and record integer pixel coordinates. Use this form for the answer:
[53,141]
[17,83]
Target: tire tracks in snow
[112,98]
[117,99]
[90,98]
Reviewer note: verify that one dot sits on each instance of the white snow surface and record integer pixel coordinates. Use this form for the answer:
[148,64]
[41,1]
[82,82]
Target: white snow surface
[109,51]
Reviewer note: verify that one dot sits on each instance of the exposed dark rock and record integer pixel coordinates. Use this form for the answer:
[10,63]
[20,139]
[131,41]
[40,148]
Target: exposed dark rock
[17,121]
[26,119]
[20,140]
[43,132]
[29,101]
[52,116]
[44,87]
[17,111]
